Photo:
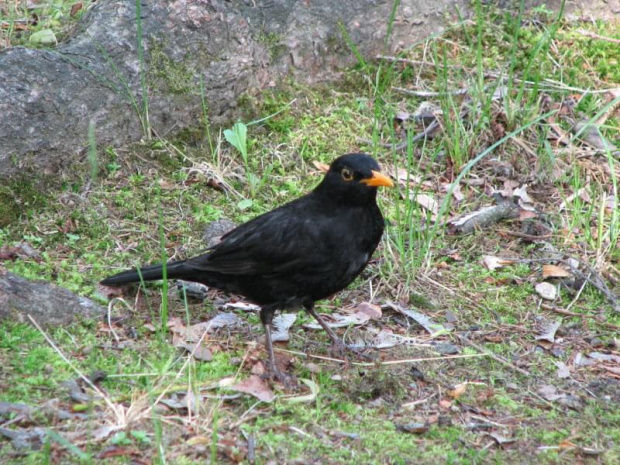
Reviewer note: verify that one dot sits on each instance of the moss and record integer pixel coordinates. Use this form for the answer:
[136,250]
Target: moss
[19,197]
[175,76]
[273,43]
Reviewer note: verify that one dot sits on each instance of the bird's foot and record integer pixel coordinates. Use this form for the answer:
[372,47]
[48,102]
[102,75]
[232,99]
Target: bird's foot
[288,380]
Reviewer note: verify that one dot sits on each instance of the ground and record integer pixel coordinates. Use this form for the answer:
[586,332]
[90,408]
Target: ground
[487,370]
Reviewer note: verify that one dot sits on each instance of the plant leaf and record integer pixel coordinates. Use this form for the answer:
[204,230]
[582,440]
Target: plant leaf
[237,137]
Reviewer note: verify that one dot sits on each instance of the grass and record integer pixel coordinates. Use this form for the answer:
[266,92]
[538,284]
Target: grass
[154,199]
[21,20]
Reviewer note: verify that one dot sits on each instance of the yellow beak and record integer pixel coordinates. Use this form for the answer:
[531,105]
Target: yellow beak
[378,179]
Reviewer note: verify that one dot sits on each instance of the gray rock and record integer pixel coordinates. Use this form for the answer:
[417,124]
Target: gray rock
[47,303]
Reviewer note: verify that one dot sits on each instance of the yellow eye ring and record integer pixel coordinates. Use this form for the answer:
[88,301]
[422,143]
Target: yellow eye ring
[346,174]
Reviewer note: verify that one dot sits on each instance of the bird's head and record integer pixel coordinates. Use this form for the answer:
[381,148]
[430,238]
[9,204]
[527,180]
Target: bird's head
[353,178]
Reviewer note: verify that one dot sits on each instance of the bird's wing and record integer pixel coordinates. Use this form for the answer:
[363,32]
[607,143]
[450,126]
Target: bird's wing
[290,238]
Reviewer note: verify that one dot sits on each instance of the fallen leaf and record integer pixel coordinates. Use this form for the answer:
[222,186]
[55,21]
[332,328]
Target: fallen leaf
[563,370]
[323,167]
[76,8]
[245,306]
[501,439]
[427,112]
[428,203]
[44,37]
[426,322]
[457,391]
[548,392]
[445,404]
[549,332]
[199,440]
[200,353]
[521,193]
[117,451]
[281,324]
[405,177]
[256,387]
[385,339]
[402,116]
[194,333]
[493,263]
[371,310]
[604,357]
[311,397]
[167,185]
[337,320]
[553,271]
[413,428]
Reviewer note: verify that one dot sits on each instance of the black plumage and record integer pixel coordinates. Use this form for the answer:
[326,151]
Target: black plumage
[301,252]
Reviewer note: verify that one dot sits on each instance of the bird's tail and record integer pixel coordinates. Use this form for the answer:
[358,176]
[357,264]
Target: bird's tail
[147,273]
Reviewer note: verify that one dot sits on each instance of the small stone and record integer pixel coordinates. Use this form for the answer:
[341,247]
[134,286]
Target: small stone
[216,229]
[413,428]
[445,348]
[336,378]
[313,368]
[547,291]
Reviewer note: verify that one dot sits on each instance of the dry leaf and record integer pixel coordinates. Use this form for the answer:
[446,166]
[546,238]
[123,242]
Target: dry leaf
[281,324]
[549,332]
[76,8]
[370,310]
[428,203]
[445,404]
[457,391]
[563,370]
[200,353]
[323,167]
[492,263]
[553,271]
[311,397]
[245,306]
[405,178]
[166,185]
[256,387]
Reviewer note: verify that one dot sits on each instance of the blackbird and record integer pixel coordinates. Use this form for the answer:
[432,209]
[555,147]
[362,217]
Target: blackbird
[301,252]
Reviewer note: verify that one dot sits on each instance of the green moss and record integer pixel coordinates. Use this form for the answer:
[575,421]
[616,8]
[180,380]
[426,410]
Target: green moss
[175,76]
[21,197]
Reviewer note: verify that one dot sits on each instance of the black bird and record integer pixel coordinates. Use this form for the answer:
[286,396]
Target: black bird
[301,252]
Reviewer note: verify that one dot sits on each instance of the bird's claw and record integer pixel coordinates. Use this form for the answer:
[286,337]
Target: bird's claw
[289,381]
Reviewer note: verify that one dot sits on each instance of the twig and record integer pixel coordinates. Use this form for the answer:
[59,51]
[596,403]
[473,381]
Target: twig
[388,362]
[593,35]
[592,278]
[578,294]
[486,216]
[147,411]
[428,93]
[403,145]
[119,412]
[562,311]
[529,237]
[392,59]
[417,402]
[497,358]
[109,315]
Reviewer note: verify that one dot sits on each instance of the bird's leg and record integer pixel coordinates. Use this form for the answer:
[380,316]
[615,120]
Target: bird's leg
[339,345]
[266,316]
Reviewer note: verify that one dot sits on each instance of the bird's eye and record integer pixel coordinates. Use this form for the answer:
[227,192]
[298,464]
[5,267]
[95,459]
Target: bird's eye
[346,174]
